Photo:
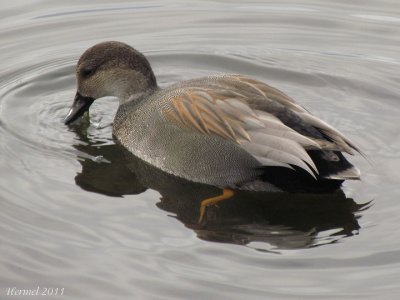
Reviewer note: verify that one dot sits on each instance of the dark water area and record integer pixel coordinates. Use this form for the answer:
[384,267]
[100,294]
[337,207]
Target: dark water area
[80,214]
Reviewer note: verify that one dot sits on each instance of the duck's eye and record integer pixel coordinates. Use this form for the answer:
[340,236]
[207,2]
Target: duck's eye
[87,72]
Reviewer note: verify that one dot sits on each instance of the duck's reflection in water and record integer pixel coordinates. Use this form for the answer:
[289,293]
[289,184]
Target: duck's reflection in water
[279,220]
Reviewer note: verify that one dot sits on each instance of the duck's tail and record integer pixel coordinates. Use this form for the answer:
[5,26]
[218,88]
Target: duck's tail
[333,169]
[333,165]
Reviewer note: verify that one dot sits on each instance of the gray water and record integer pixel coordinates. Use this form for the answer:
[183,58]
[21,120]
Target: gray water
[73,216]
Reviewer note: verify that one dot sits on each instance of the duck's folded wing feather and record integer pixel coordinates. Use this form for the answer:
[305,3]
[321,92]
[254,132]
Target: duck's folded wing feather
[335,139]
[264,121]
[260,133]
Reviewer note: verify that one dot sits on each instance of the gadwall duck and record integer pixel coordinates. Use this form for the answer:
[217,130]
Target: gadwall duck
[229,131]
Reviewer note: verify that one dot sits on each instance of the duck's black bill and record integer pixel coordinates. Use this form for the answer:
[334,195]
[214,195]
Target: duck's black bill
[79,106]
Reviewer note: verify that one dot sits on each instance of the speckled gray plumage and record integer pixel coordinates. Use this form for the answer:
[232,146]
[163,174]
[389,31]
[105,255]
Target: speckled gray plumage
[141,128]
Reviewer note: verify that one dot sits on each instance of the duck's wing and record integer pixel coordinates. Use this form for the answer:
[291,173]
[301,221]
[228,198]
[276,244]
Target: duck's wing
[262,120]
[269,97]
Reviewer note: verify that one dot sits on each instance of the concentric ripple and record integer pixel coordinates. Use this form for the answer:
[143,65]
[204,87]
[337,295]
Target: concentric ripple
[62,222]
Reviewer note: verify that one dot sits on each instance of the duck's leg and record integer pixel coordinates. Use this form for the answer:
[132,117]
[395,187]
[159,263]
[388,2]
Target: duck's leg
[226,194]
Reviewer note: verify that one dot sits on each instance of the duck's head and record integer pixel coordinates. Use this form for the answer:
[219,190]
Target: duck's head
[109,69]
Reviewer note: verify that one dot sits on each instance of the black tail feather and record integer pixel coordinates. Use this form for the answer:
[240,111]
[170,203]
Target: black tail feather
[329,163]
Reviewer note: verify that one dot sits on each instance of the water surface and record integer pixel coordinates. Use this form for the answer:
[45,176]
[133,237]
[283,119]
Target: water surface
[74,216]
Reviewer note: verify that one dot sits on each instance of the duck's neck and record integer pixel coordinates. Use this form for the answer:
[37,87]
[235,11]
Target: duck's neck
[128,96]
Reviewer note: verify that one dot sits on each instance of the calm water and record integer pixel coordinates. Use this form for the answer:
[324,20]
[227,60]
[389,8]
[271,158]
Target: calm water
[76,214]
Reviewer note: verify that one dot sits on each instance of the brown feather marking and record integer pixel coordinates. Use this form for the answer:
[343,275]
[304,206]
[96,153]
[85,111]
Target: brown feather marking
[212,119]
[231,131]
[222,118]
[239,130]
[216,128]
[205,111]
[200,111]
[186,107]
[252,85]
[274,94]
[200,117]
[177,105]
[230,109]
[173,117]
